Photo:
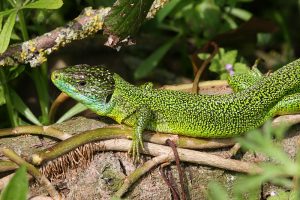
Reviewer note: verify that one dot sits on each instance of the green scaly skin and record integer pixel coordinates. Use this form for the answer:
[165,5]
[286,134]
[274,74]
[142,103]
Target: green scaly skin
[207,116]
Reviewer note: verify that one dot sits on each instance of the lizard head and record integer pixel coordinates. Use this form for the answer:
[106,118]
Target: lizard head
[92,86]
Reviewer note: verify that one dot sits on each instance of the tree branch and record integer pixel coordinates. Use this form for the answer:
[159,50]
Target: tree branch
[34,51]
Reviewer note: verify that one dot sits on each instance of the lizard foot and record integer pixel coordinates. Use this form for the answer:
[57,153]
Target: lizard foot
[134,150]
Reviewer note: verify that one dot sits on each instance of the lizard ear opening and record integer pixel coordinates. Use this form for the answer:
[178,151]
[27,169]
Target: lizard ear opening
[108,98]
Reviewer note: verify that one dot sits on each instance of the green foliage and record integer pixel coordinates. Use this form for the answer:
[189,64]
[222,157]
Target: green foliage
[278,171]
[6,32]
[151,62]
[78,108]
[2,99]
[8,96]
[218,192]
[197,21]
[163,13]
[17,188]
[44,4]
[205,17]
[22,108]
[223,58]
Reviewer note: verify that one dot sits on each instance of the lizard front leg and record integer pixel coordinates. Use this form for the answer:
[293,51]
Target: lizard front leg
[140,118]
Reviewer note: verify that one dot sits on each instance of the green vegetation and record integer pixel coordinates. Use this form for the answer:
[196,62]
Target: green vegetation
[17,188]
[281,170]
[15,106]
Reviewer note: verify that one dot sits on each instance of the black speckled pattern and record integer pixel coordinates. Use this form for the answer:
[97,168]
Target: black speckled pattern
[186,114]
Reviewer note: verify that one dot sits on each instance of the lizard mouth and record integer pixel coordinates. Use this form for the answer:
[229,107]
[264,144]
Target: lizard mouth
[56,78]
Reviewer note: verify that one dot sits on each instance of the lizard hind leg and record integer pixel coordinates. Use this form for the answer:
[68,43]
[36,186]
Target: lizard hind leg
[242,81]
[290,104]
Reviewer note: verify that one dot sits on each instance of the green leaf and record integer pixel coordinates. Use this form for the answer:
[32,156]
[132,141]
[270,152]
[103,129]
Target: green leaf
[216,65]
[2,97]
[15,71]
[17,188]
[14,36]
[126,17]
[220,60]
[152,61]
[224,76]
[7,12]
[162,13]
[6,31]
[241,68]
[210,13]
[216,191]
[78,108]
[263,39]
[229,57]
[232,24]
[45,4]
[1,20]
[22,108]
[239,13]
[248,184]
[40,80]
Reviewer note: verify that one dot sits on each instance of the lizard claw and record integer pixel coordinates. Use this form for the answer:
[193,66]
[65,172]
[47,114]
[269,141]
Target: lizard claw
[134,150]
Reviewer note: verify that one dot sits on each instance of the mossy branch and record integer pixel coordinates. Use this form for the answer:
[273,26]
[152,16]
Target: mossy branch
[34,51]
[89,22]
[34,130]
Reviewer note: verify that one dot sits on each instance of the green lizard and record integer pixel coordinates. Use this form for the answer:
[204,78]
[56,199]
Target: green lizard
[207,116]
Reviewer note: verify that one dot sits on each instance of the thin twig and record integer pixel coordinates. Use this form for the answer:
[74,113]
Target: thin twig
[35,130]
[133,177]
[7,166]
[173,189]
[62,97]
[286,119]
[205,87]
[188,142]
[232,151]
[176,156]
[78,140]
[9,153]
[204,64]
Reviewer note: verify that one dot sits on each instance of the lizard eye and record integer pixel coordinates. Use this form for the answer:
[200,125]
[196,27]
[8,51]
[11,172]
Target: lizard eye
[108,98]
[82,83]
